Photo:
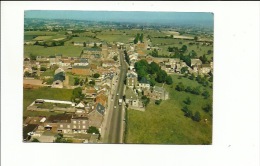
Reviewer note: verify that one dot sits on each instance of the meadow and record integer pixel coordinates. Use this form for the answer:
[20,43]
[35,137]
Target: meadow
[166,123]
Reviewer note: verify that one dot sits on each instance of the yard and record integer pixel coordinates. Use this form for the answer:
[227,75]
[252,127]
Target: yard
[166,123]
[44,93]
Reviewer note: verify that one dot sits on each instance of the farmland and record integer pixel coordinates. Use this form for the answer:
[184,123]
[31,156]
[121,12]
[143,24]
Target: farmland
[166,123]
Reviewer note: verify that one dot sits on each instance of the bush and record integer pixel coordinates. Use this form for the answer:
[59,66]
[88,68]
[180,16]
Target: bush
[207,108]
[187,101]
[96,75]
[196,117]
[158,102]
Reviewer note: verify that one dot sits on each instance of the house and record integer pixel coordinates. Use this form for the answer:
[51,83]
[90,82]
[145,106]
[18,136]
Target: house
[79,124]
[78,44]
[131,98]
[59,77]
[96,116]
[81,70]
[92,51]
[100,108]
[53,122]
[90,92]
[81,62]
[108,63]
[205,69]
[144,83]
[157,93]
[34,120]
[196,62]
[160,93]
[131,79]
[102,99]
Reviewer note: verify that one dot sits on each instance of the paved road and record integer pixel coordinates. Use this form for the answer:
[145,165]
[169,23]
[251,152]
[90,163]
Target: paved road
[115,128]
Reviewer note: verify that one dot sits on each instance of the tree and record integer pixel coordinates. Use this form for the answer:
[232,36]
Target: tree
[32,57]
[92,82]
[43,69]
[115,58]
[203,59]
[161,76]
[196,117]
[76,81]
[141,38]
[84,44]
[60,139]
[192,76]
[35,140]
[196,91]
[205,94]
[184,70]
[145,100]
[96,75]
[169,80]
[188,113]
[196,38]
[27,74]
[77,94]
[183,48]
[180,87]
[92,130]
[207,108]
[188,89]
[187,101]
[158,102]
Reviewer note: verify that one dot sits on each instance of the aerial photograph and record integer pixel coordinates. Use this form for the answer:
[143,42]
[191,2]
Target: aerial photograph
[118,77]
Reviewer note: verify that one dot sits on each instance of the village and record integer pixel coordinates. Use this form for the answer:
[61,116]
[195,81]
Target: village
[94,78]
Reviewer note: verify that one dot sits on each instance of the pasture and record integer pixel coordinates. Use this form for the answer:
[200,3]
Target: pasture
[166,123]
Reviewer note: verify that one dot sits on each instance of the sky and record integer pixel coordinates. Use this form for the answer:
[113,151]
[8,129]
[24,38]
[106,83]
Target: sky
[142,17]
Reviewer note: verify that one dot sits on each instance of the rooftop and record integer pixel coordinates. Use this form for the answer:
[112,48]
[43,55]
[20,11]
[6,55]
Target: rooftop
[66,118]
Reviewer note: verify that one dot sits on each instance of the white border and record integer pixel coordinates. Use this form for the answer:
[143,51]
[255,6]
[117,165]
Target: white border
[236,92]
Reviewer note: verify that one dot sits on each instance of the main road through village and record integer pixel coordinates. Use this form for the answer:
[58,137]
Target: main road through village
[114,126]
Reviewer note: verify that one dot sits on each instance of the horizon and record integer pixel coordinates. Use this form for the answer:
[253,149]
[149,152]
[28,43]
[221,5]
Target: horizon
[204,18]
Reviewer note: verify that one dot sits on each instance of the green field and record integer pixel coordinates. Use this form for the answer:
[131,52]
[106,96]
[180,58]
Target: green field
[44,93]
[166,123]
[70,51]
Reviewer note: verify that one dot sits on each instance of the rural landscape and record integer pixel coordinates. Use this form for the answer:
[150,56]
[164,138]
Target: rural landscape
[123,79]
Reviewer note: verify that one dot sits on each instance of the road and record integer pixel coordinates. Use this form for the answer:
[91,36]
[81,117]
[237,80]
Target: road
[115,127]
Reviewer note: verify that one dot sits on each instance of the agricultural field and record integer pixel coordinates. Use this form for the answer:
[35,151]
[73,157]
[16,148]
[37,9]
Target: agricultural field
[70,51]
[168,125]
[45,93]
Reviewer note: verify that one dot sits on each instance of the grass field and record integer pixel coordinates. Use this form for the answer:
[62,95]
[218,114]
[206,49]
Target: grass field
[166,123]
[70,51]
[44,93]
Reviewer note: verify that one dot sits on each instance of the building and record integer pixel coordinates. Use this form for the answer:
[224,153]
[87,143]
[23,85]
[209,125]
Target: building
[92,51]
[144,83]
[157,93]
[79,124]
[131,98]
[131,79]
[59,77]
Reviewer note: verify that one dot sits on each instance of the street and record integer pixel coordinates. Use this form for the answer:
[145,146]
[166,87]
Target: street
[114,131]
